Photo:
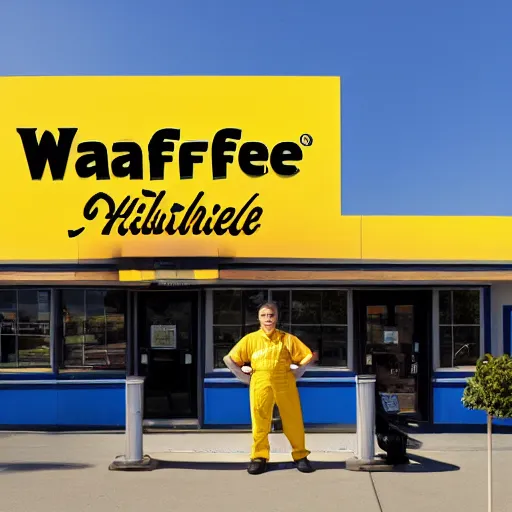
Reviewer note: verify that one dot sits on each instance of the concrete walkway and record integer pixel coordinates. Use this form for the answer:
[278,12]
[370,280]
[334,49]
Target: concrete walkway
[69,472]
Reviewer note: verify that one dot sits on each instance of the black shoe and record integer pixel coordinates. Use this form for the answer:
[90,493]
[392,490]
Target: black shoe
[257,466]
[304,466]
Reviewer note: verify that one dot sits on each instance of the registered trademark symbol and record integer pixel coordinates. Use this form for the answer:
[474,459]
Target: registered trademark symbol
[306,139]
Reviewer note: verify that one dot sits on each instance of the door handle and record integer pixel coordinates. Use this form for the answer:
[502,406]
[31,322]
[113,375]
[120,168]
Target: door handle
[188,358]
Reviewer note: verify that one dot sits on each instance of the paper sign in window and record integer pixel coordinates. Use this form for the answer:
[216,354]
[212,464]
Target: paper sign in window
[163,336]
[391,337]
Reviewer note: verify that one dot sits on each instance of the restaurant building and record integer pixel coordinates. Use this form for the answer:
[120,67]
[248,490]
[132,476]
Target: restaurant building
[144,219]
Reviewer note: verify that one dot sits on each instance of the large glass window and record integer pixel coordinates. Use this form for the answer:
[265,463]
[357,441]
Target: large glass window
[93,329]
[317,317]
[459,327]
[235,313]
[24,329]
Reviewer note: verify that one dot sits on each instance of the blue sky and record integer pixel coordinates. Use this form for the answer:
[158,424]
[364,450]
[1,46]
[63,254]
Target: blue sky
[427,85]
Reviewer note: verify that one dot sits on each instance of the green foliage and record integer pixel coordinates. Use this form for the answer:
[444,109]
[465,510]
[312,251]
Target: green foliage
[490,389]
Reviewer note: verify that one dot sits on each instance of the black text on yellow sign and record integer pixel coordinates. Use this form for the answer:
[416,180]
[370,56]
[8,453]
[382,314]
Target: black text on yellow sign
[144,215]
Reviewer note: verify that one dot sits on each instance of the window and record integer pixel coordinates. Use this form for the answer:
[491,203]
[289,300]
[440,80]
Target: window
[459,327]
[235,313]
[318,317]
[93,329]
[24,329]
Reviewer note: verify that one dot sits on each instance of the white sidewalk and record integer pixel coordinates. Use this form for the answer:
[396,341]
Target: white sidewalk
[69,472]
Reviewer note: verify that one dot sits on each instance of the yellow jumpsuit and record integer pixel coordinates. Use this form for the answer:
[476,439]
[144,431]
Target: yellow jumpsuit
[272,381]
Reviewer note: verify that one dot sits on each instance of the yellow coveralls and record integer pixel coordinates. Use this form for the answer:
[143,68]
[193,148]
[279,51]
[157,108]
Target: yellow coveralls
[272,381]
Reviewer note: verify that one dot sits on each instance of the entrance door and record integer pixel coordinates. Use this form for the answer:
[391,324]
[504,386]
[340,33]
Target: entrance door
[392,333]
[168,349]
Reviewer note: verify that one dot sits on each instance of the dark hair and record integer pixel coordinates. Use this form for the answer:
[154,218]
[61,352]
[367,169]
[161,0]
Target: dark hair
[269,305]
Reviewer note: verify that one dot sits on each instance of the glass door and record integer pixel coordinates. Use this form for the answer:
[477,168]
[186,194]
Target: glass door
[168,354]
[393,336]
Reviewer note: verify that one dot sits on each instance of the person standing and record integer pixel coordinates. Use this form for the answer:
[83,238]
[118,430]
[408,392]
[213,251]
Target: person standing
[276,359]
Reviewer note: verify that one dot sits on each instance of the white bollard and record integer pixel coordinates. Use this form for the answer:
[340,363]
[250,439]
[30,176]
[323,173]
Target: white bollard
[133,438]
[365,458]
[134,458]
[365,418]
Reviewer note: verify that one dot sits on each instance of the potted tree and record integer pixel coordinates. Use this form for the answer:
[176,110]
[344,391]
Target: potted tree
[490,390]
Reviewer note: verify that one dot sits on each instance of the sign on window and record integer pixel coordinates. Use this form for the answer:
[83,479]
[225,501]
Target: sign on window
[163,336]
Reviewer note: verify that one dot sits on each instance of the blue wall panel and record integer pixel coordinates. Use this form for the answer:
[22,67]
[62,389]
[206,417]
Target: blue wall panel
[54,405]
[227,403]
[91,406]
[503,423]
[329,403]
[448,407]
[28,405]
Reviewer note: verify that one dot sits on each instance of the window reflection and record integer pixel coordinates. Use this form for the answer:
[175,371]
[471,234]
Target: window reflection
[8,351]
[306,307]
[445,307]
[24,328]
[282,300]
[311,335]
[334,307]
[404,318]
[459,327]
[252,300]
[227,307]
[8,316]
[446,347]
[34,312]
[224,339]
[94,330]
[33,350]
[466,345]
[377,319]
[317,317]
[466,307]
[235,314]
[334,346]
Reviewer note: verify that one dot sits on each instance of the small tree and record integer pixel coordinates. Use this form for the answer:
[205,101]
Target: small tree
[490,390]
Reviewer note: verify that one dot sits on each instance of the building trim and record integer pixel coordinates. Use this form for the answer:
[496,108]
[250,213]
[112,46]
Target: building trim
[440,380]
[351,349]
[485,325]
[326,380]
[507,334]
[436,348]
[53,382]
[358,275]
[208,333]
[215,262]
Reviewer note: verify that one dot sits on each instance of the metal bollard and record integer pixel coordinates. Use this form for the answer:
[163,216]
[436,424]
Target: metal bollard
[365,417]
[365,459]
[133,438]
[134,458]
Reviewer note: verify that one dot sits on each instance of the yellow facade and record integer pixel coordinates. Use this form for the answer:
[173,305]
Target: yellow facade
[112,155]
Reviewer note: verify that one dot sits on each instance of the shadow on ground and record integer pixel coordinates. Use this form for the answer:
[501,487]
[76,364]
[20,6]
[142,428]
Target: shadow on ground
[17,467]
[418,465]
[421,464]
[241,466]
